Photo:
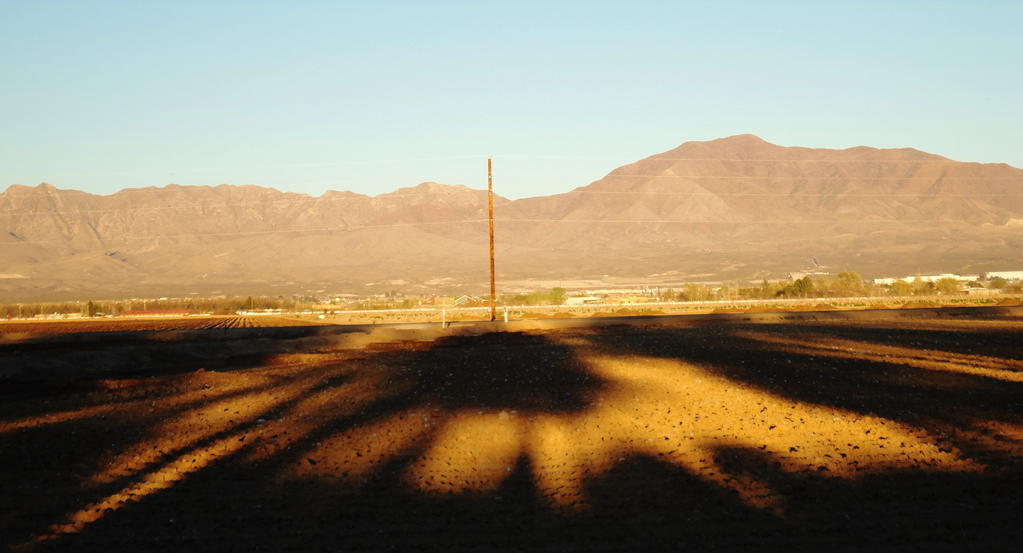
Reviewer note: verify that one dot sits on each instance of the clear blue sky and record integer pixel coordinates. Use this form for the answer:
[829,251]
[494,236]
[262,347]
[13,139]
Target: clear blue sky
[372,96]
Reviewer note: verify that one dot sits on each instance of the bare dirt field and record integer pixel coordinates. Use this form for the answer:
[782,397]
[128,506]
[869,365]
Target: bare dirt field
[131,324]
[888,430]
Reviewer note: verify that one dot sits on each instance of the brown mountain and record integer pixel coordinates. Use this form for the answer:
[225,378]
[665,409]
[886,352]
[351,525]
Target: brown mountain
[733,208]
[740,207]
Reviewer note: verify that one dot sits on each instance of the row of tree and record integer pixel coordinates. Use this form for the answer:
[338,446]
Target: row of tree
[844,284]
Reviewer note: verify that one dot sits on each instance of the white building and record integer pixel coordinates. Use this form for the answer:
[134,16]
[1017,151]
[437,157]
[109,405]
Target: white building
[1007,275]
[581,300]
[926,278]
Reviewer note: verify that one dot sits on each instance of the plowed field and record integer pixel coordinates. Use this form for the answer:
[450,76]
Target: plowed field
[882,431]
[59,326]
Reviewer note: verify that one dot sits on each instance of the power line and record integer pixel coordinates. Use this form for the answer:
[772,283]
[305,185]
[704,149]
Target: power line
[490,220]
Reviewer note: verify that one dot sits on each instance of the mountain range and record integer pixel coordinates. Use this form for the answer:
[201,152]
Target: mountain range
[732,209]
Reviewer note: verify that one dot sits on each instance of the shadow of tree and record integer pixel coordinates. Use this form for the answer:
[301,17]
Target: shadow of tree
[954,339]
[905,510]
[246,496]
[854,381]
[496,374]
[58,363]
[516,371]
[643,504]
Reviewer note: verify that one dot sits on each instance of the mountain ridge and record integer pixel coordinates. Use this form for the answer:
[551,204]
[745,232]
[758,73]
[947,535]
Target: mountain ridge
[737,207]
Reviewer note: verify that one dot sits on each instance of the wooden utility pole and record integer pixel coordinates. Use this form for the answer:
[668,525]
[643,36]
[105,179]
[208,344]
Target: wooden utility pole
[490,208]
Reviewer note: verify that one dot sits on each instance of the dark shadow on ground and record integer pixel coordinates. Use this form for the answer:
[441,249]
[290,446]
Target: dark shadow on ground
[641,504]
[519,371]
[971,342]
[59,363]
[507,372]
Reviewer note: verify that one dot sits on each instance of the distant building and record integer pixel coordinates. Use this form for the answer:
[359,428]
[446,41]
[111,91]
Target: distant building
[468,300]
[888,281]
[1007,275]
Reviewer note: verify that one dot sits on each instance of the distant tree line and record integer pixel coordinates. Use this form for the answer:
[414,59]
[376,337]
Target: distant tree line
[844,284]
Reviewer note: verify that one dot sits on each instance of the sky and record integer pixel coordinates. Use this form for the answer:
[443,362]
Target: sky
[374,96]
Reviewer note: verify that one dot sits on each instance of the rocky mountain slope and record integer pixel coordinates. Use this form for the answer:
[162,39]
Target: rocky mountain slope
[734,208]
